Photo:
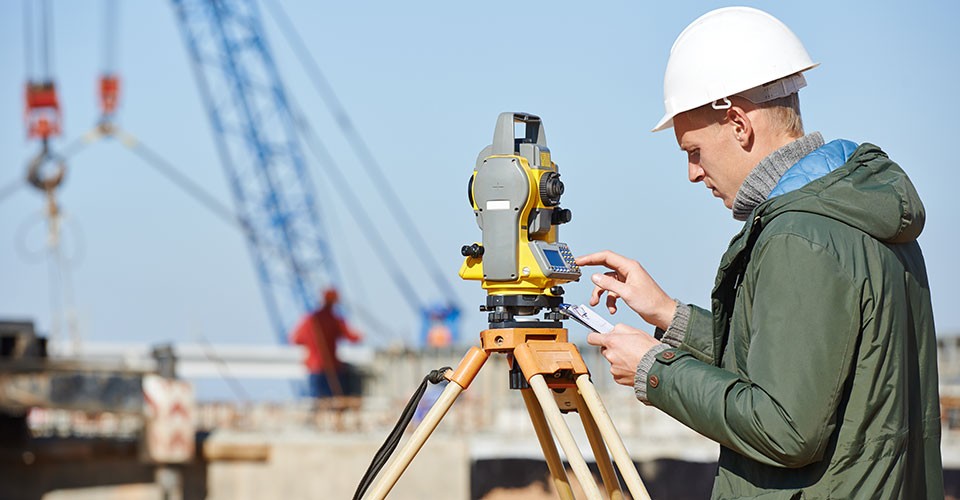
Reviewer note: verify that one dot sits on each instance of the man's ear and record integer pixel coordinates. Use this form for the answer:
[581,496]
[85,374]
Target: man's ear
[741,126]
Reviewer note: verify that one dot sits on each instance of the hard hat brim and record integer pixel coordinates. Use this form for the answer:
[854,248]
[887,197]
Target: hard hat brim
[664,123]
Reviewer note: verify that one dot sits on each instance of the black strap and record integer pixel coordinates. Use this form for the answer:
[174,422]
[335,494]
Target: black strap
[393,439]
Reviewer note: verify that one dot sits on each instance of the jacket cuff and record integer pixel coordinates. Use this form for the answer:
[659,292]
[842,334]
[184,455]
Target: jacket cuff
[677,331]
[643,371]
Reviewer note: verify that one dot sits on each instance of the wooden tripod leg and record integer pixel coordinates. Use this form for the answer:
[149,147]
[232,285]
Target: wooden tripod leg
[567,442]
[460,380]
[557,472]
[627,469]
[609,476]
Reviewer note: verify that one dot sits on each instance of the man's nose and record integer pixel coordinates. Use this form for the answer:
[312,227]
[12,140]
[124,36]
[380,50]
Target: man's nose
[694,172]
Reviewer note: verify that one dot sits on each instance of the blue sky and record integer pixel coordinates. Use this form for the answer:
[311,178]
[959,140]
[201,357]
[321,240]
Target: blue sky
[424,82]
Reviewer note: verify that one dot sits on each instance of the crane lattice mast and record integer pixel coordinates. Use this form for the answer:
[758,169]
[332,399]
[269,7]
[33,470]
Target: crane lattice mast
[258,145]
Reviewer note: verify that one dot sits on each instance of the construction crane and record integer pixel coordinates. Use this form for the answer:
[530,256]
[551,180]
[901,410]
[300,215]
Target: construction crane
[258,132]
[271,186]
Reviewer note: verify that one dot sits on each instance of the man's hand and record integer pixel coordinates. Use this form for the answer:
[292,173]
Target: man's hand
[623,347]
[629,280]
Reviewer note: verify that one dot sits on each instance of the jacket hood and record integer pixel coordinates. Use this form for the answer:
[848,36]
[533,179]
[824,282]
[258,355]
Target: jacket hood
[869,192]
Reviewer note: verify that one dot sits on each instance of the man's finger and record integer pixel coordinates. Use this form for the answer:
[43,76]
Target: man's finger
[610,284]
[608,259]
[595,295]
[595,338]
[612,303]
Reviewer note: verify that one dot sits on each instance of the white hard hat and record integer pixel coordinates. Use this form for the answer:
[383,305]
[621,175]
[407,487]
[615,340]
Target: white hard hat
[727,52]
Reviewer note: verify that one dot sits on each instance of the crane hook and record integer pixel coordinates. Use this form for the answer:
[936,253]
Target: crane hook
[42,178]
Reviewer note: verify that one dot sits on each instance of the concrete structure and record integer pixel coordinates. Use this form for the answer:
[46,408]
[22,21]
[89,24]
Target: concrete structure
[314,465]
[484,448]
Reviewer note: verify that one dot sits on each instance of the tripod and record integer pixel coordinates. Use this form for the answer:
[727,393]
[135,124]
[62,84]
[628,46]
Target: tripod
[557,381]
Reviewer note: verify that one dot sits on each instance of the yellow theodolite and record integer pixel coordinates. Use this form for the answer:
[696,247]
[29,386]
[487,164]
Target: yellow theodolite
[515,192]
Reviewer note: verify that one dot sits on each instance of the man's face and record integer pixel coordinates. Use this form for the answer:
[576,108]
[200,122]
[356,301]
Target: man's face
[714,156]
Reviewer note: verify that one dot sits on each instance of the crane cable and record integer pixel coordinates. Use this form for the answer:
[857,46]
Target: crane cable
[9,189]
[109,79]
[166,169]
[105,128]
[347,260]
[30,37]
[360,148]
[358,212]
[110,11]
[61,282]
[174,175]
[43,122]
[47,40]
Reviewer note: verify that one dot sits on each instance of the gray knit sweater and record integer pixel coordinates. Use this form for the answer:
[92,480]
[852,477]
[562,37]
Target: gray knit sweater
[765,176]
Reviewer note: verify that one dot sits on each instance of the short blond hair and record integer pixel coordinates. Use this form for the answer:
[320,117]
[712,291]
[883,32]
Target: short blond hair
[784,112]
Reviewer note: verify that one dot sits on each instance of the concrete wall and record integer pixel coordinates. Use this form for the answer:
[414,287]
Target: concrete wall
[303,464]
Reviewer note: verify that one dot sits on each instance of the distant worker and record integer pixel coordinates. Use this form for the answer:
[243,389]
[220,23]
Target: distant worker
[319,332]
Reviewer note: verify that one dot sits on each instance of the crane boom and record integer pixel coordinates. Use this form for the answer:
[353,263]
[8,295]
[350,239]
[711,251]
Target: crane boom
[259,148]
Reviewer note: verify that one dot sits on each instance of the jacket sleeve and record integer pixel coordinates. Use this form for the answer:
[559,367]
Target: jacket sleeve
[698,339]
[779,406]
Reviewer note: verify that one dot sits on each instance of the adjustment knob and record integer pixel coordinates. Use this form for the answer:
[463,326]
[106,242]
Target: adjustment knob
[561,216]
[475,250]
[551,188]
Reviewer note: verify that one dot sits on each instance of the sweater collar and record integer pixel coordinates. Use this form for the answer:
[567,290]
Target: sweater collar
[764,177]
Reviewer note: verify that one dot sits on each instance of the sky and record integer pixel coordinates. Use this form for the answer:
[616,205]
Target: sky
[423,83]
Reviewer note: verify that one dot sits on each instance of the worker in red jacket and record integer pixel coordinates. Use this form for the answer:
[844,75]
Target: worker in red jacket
[319,332]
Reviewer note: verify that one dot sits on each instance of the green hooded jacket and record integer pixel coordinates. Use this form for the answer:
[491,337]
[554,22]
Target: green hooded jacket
[816,370]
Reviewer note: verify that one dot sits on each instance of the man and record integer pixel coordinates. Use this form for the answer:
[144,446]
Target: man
[816,368]
[319,332]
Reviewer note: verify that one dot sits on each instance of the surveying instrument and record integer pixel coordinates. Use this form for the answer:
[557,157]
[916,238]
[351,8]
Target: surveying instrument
[515,192]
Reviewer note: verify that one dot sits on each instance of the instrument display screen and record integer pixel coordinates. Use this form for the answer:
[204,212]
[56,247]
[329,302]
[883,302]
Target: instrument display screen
[554,258]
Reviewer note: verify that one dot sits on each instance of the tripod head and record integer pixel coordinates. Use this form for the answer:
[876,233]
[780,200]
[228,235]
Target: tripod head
[515,192]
